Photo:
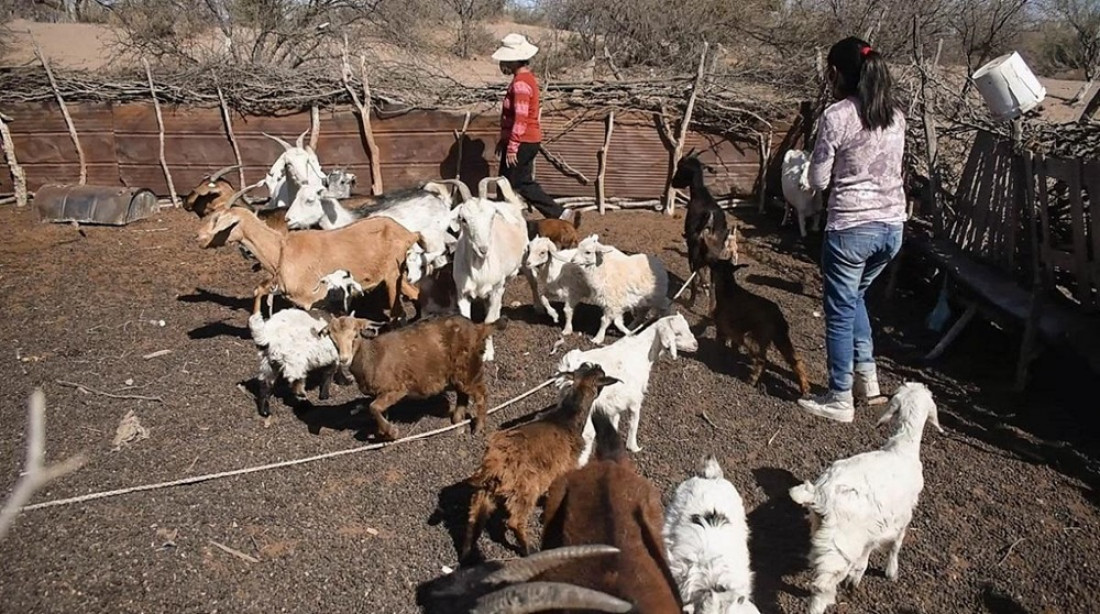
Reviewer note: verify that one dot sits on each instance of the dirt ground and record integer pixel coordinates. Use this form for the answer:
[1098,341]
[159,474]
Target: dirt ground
[1007,522]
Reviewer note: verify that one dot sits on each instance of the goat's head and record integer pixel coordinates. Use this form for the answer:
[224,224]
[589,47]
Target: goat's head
[912,403]
[343,283]
[423,258]
[306,209]
[590,252]
[688,168]
[588,376]
[345,333]
[212,187]
[299,161]
[221,227]
[674,335]
[720,600]
[475,221]
[720,245]
[539,251]
[440,188]
[796,165]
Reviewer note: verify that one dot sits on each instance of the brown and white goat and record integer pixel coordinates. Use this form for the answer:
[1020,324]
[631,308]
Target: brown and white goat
[215,193]
[751,321]
[607,502]
[372,250]
[521,462]
[419,361]
[562,233]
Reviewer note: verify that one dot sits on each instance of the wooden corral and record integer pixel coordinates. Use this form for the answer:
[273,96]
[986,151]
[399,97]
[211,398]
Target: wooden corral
[120,141]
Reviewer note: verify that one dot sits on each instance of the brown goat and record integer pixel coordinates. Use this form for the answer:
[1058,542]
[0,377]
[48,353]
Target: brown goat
[753,322]
[521,462]
[562,233]
[419,361]
[607,502]
[214,194]
[372,250]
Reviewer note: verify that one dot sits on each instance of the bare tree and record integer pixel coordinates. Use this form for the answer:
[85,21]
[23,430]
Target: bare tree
[470,13]
[1077,45]
[985,28]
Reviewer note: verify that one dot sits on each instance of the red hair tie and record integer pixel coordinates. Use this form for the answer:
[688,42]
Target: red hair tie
[866,51]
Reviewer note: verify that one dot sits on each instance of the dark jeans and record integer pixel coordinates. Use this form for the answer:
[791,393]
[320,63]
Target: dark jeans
[523,182]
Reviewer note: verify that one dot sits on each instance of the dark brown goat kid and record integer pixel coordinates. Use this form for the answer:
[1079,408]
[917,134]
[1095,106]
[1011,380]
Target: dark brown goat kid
[562,233]
[753,322]
[521,462]
[422,360]
[214,193]
[607,502]
[702,215]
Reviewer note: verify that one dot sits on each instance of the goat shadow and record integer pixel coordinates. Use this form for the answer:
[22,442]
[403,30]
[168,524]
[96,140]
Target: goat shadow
[778,283]
[202,295]
[219,328]
[997,602]
[777,380]
[474,165]
[779,538]
[339,417]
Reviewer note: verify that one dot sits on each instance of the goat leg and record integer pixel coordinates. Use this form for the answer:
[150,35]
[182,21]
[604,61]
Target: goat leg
[892,559]
[266,380]
[481,508]
[326,382]
[621,325]
[605,321]
[519,509]
[632,434]
[461,408]
[377,407]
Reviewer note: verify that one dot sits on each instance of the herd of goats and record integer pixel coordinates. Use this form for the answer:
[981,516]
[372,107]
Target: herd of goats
[608,544]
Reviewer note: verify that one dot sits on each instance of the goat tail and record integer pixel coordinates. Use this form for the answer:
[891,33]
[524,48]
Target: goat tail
[609,446]
[577,219]
[803,494]
[711,470]
[794,360]
[257,326]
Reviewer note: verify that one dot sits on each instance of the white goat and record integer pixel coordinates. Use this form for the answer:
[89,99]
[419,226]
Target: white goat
[865,502]
[707,540]
[290,344]
[490,248]
[343,285]
[554,279]
[425,209]
[630,360]
[295,168]
[805,201]
[621,283]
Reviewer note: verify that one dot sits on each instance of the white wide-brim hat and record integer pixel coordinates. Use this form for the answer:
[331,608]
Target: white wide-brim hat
[515,48]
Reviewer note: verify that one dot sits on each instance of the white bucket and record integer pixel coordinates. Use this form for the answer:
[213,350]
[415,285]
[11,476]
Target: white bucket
[1009,87]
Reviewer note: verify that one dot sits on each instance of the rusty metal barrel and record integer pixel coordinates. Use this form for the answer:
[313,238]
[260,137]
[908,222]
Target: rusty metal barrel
[90,204]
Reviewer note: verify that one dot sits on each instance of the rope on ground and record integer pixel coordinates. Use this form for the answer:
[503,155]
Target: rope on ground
[301,461]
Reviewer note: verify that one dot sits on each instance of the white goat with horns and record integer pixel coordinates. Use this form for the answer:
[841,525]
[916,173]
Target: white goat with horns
[865,502]
[491,242]
[296,168]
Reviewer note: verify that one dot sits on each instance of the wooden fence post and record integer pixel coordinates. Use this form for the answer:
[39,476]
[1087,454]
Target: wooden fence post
[160,134]
[19,178]
[678,150]
[314,126]
[64,112]
[460,138]
[232,137]
[601,162]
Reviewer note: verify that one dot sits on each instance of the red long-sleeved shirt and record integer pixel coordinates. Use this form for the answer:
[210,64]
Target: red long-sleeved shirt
[519,115]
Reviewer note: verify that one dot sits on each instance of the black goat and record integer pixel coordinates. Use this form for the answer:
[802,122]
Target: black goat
[703,214]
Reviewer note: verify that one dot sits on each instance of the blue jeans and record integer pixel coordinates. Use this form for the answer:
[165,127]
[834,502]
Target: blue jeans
[851,259]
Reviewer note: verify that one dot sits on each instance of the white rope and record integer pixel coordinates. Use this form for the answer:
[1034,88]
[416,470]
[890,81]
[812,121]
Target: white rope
[301,461]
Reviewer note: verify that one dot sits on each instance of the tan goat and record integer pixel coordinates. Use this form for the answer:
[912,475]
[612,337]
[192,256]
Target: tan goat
[371,250]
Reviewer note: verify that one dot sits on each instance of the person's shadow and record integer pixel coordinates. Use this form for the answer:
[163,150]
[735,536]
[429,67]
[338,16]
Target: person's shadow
[474,165]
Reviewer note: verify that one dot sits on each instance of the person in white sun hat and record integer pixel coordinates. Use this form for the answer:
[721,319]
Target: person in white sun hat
[520,133]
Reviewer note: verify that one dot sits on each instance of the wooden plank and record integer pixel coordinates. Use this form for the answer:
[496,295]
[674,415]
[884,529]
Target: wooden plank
[981,204]
[1044,221]
[105,174]
[1080,240]
[1091,175]
[956,228]
[32,118]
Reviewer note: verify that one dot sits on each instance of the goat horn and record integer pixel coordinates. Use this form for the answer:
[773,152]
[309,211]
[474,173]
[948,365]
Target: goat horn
[505,189]
[463,189]
[241,192]
[301,136]
[286,146]
[221,171]
[483,186]
[521,570]
[541,596]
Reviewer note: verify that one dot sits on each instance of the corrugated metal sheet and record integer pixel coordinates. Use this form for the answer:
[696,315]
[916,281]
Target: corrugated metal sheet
[121,146]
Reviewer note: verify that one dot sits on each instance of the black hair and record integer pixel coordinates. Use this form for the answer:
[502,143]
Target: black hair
[862,72]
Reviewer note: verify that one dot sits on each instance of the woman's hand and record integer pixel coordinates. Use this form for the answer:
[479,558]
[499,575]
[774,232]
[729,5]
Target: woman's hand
[511,159]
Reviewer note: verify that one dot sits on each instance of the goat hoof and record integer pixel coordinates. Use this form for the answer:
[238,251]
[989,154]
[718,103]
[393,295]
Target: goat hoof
[635,448]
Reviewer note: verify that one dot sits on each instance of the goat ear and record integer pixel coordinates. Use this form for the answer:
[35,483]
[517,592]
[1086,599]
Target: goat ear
[668,339]
[607,380]
[891,410]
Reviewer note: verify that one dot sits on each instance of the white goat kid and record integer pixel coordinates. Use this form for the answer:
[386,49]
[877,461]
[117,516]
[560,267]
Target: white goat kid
[491,243]
[795,180]
[554,278]
[863,503]
[621,283]
[629,360]
[290,344]
[707,539]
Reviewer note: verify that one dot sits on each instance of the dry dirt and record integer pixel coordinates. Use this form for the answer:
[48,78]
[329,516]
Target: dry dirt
[1007,522]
